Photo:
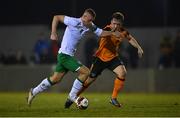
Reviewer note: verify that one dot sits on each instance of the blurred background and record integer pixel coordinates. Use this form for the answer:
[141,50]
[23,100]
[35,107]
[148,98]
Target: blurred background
[27,55]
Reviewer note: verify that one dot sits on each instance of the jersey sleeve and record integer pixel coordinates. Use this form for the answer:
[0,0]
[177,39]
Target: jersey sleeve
[97,30]
[70,21]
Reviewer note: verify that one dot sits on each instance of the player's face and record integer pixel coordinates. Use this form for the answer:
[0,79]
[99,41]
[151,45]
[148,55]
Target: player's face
[87,18]
[115,24]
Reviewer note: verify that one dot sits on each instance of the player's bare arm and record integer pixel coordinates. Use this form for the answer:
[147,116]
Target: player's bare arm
[108,33]
[56,20]
[134,43]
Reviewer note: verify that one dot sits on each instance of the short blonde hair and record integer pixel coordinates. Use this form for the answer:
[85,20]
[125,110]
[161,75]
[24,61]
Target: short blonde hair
[91,12]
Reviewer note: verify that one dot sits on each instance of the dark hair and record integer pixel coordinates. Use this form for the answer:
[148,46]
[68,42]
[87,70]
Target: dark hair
[118,16]
[91,11]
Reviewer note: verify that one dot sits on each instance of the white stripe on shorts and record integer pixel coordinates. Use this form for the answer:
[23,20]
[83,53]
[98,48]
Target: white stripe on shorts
[77,68]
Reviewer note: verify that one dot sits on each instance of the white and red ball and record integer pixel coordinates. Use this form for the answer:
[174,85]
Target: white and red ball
[82,102]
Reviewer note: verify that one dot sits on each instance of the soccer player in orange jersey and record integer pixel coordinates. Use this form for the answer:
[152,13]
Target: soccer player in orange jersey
[107,56]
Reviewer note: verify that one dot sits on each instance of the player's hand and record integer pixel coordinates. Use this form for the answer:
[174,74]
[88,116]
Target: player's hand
[54,36]
[140,52]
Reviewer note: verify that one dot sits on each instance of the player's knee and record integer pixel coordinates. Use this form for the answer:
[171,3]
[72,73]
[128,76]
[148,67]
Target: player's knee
[122,74]
[54,79]
[85,71]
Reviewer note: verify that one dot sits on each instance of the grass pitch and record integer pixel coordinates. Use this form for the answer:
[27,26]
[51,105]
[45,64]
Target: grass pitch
[52,105]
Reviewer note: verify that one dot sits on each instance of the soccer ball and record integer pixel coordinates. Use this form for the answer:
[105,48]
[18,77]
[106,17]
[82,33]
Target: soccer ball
[82,103]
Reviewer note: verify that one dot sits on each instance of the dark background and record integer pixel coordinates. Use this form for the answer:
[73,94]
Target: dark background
[24,22]
[138,13]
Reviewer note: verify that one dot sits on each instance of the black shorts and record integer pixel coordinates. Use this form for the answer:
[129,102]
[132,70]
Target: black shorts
[99,65]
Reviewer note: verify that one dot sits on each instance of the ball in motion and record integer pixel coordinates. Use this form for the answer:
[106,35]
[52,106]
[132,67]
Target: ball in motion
[82,103]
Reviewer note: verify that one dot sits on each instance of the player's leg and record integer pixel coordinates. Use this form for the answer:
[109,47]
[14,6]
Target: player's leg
[77,86]
[78,83]
[70,63]
[120,71]
[119,80]
[96,68]
[95,71]
[86,84]
[75,92]
[44,85]
[48,82]
[118,84]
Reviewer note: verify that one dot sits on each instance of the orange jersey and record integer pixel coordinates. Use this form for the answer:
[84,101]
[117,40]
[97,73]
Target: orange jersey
[109,45]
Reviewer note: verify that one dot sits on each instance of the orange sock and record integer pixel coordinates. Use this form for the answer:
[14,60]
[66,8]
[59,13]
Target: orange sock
[118,85]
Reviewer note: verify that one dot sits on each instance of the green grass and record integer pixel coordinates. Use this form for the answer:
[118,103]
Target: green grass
[52,105]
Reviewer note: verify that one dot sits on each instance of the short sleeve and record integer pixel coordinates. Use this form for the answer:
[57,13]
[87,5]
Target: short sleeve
[70,21]
[98,31]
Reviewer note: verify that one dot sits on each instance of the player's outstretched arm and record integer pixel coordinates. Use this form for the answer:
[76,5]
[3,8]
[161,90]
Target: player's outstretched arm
[108,33]
[134,43]
[56,20]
